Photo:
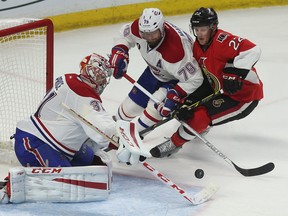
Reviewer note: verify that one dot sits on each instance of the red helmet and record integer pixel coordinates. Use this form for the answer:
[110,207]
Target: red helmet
[96,69]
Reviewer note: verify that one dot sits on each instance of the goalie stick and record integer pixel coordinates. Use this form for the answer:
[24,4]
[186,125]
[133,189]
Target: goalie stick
[199,198]
[245,172]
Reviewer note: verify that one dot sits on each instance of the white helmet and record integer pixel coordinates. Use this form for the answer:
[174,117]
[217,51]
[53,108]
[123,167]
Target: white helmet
[97,71]
[151,20]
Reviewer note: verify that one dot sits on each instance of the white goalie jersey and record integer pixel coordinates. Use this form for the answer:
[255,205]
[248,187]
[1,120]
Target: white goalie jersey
[51,118]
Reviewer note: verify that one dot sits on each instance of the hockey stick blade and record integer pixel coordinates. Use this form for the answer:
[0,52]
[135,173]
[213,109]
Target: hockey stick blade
[199,198]
[205,194]
[255,171]
[245,172]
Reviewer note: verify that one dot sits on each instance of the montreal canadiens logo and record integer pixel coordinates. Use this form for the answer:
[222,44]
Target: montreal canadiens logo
[96,105]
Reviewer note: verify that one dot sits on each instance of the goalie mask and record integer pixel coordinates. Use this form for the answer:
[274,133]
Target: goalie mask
[95,69]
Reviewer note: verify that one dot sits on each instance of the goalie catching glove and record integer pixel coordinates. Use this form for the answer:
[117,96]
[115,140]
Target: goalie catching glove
[131,149]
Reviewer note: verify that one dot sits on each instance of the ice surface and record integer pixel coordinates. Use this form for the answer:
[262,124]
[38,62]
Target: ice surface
[258,139]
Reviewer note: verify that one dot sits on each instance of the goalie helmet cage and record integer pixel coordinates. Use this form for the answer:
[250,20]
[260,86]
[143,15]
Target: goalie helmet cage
[26,73]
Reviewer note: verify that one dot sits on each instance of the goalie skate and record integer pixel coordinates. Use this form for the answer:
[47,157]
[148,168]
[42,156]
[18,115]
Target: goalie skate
[4,199]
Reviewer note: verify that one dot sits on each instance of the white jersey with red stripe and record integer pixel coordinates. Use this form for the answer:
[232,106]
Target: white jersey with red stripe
[171,59]
[54,125]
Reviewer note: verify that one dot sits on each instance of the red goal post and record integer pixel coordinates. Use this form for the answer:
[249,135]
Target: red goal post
[26,71]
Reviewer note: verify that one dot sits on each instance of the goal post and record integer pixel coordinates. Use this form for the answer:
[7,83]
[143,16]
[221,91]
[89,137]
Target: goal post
[26,72]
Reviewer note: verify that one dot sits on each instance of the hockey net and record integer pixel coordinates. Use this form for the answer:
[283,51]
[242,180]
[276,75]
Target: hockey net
[26,73]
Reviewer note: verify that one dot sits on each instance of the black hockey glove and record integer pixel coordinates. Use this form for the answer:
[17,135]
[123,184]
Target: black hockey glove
[184,113]
[233,78]
[232,83]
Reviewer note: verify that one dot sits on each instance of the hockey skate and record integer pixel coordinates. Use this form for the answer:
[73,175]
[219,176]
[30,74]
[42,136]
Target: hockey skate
[164,149]
[4,199]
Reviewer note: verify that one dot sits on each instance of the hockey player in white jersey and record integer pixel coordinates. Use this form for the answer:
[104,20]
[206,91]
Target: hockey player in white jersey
[63,155]
[51,136]
[172,72]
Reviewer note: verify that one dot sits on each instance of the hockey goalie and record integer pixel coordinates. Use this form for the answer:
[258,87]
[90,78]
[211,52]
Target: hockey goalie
[60,146]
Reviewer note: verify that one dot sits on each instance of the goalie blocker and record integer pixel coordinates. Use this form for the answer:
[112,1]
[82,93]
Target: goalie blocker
[57,184]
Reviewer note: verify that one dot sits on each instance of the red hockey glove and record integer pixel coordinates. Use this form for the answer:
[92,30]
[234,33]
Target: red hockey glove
[232,83]
[119,60]
[169,103]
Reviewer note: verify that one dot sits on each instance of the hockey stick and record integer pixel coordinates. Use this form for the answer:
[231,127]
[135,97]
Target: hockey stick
[245,172]
[199,198]
[189,107]
[131,80]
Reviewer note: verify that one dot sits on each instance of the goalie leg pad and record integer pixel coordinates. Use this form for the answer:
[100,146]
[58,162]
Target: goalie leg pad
[105,158]
[101,155]
[59,184]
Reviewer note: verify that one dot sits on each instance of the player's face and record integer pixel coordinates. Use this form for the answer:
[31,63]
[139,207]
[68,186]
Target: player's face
[152,38]
[203,34]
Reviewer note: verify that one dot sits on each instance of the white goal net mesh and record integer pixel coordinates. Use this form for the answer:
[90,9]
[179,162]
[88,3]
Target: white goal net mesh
[23,76]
